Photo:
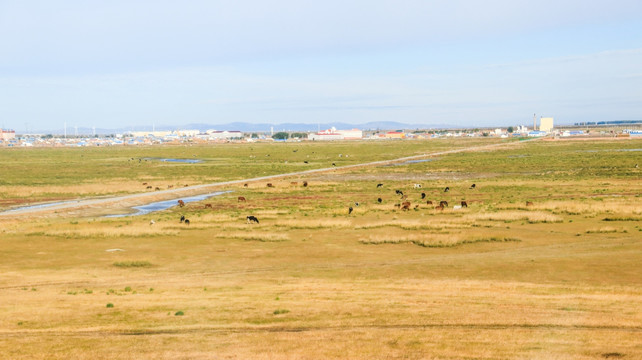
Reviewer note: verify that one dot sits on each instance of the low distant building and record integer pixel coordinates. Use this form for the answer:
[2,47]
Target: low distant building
[334,134]
[395,135]
[7,134]
[546,124]
[536,133]
[224,135]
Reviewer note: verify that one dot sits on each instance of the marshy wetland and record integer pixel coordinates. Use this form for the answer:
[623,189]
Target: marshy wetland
[555,279]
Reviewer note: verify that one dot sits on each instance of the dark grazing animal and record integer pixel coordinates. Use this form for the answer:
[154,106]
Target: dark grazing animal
[241,198]
[379,200]
[350,209]
[356,204]
[270,185]
[182,218]
[405,205]
[423,196]
[399,192]
[305,184]
[144,183]
[429,202]
[186,221]
[181,203]
[251,219]
[157,188]
[379,185]
[245,185]
[440,208]
[149,186]
[208,206]
[472,186]
[529,203]
[464,204]
[447,189]
[333,164]
[443,203]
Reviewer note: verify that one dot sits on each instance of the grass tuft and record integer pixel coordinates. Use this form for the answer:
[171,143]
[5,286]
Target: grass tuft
[132,264]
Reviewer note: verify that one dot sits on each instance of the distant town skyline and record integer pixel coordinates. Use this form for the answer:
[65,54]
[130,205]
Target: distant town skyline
[464,63]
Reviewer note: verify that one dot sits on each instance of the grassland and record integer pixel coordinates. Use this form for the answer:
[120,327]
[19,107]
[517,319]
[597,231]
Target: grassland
[496,280]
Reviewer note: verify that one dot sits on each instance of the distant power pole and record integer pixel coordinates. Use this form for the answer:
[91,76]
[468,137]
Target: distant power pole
[534,122]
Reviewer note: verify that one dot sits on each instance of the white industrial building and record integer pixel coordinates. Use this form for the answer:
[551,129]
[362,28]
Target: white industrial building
[334,134]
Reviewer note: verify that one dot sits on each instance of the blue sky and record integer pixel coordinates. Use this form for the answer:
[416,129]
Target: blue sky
[468,63]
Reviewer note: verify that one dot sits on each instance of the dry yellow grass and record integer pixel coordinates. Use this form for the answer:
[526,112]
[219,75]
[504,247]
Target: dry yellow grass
[530,216]
[254,236]
[495,281]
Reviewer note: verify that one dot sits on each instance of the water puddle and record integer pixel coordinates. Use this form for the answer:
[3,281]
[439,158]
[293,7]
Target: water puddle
[166,204]
[41,206]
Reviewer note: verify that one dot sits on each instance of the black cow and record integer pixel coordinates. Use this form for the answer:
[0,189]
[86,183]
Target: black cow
[472,186]
[182,218]
[350,209]
[186,221]
[251,219]
[423,196]
[399,192]
[379,200]
[379,185]
[447,189]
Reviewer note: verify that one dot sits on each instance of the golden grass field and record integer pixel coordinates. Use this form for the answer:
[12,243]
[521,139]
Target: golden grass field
[558,279]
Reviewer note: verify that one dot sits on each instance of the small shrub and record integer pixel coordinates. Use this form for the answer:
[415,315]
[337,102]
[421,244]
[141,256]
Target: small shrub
[110,305]
[179,313]
[128,288]
[280,311]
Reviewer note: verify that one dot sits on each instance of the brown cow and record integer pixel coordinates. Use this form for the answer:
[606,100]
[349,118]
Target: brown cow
[429,202]
[149,186]
[440,208]
[144,183]
[305,184]
[443,203]
[157,188]
[181,203]
[464,204]
[245,185]
[405,205]
[208,206]
[529,203]
[270,185]
[240,198]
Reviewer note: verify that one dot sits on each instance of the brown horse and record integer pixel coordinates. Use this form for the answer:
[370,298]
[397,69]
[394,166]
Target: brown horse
[181,203]
[241,198]
[208,206]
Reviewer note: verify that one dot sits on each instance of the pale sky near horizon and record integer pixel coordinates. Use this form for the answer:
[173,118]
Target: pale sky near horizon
[468,63]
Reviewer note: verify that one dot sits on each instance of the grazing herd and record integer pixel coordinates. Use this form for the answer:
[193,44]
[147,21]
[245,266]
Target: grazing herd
[404,204]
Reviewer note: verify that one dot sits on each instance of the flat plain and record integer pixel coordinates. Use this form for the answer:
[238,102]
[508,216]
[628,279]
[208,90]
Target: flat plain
[559,278]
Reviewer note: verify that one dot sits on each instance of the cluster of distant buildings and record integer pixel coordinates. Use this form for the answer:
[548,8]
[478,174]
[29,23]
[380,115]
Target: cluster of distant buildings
[546,128]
